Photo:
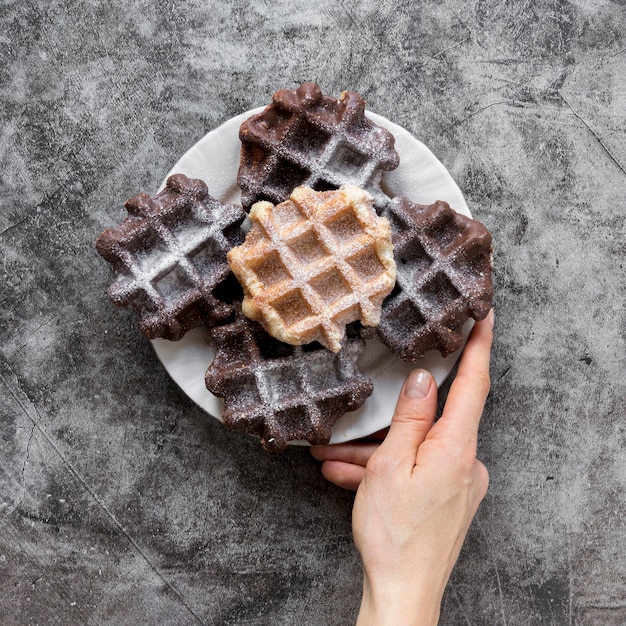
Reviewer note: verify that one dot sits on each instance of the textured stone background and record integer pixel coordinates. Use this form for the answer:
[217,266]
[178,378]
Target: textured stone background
[120,501]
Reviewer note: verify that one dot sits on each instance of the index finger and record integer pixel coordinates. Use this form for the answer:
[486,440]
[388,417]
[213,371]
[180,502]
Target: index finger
[468,393]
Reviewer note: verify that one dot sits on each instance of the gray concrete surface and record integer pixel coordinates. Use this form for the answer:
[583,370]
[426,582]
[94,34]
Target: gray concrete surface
[123,503]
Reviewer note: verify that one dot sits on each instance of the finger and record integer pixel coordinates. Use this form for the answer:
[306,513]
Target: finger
[477,353]
[413,417]
[468,393]
[344,475]
[354,453]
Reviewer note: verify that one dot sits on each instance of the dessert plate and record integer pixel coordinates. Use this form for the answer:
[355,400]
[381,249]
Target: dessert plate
[420,176]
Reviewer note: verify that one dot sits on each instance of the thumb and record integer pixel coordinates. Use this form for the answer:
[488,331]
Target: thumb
[413,417]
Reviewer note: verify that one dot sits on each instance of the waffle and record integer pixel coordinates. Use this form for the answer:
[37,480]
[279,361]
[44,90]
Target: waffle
[279,392]
[315,263]
[443,277]
[304,138]
[169,257]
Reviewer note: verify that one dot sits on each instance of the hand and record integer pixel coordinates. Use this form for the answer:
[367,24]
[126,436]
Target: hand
[418,490]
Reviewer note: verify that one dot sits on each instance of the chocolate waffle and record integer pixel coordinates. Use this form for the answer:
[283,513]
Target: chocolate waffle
[443,277]
[315,263]
[169,257]
[279,392]
[305,138]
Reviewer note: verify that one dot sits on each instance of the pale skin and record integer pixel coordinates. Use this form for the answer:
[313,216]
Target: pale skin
[417,491]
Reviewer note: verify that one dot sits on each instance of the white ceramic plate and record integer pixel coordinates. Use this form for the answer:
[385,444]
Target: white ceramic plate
[420,176]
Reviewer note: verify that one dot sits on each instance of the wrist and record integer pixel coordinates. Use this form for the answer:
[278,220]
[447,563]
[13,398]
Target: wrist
[399,605]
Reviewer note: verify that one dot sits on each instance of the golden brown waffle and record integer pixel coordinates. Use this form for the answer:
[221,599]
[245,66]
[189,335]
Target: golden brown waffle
[305,138]
[315,263]
[444,277]
[169,257]
[282,393]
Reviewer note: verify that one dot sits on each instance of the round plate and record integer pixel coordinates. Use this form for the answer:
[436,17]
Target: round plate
[420,176]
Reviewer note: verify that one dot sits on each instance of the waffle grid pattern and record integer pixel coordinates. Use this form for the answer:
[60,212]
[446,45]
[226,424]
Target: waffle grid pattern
[315,263]
[307,139]
[443,277]
[169,256]
[279,392]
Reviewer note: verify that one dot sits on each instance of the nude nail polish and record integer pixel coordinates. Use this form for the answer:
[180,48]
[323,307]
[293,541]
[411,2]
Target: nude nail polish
[417,384]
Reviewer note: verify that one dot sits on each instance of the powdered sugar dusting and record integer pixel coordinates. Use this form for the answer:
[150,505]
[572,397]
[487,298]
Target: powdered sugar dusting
[305,279]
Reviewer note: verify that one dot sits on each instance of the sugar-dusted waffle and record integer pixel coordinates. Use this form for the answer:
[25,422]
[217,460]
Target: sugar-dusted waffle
[169,257]
[315,263]
[279,392]
[305,138]
[443,263]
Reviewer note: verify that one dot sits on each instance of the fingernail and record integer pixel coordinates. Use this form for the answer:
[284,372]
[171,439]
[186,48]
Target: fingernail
[417,384]
[491,317]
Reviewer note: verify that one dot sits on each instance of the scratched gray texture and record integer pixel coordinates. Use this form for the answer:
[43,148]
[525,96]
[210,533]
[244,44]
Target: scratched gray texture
[121,502]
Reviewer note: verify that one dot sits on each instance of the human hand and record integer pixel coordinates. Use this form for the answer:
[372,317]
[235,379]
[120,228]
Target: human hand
[418,490]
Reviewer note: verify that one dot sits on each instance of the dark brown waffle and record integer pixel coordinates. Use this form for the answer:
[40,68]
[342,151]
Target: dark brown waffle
[279,392]
[169,257]
[443,262]
[304,138]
